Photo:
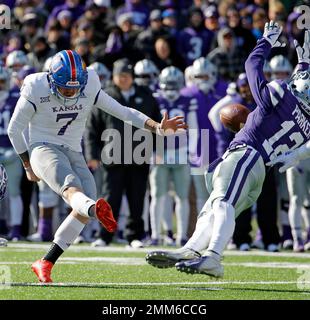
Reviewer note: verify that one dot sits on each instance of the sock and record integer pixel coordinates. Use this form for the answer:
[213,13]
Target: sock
[200,239]
[53,253]
[223,227]
[45,228]
[67,232]
[182,214]
[81,203]
[286,232]
[156,208]
[16,231]
[16,210]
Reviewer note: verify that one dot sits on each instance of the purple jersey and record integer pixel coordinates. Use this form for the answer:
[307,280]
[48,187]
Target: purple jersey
[6,110]
[202,146]
[175,108]
[194,44]
[278,123]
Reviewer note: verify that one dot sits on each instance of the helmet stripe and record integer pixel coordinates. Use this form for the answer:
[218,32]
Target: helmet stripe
[72,64]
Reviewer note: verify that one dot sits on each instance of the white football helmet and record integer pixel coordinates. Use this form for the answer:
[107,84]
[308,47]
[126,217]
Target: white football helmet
[205,74]
[280,64]
[299,84]
[47,63]
[4,81]
[171,81]
[16,60]
[189,76]
[103,73]
[267,70]
[146,73]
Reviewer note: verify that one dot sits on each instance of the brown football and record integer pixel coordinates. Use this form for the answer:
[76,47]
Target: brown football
[233,116]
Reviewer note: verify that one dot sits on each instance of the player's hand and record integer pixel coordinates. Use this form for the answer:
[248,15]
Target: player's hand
[287,160]
[175,125]
[272,33]
[93,164]
[30,175]
[303,52]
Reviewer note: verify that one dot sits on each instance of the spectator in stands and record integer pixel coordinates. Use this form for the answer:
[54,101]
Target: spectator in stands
[259,20]
[58,38]
[146,39]
[165,54]
[244,37]
[40,52]
[138,9]
[195,40]
[211,19]
[228,57]
[170,21]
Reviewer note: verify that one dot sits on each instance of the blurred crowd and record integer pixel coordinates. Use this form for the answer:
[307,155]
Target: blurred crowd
[183,57]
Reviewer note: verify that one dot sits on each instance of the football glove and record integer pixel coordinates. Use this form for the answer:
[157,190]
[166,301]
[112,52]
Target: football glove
[287,160]
[272,33]
[303,53]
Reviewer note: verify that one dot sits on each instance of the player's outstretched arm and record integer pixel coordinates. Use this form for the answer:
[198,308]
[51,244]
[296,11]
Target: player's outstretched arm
[255,63]
[138,119]
[291,158]
[21,117]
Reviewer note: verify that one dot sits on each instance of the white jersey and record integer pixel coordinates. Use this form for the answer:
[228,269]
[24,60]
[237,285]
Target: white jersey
[50,121]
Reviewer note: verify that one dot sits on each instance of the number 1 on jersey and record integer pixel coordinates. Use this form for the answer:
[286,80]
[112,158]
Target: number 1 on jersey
[60,116]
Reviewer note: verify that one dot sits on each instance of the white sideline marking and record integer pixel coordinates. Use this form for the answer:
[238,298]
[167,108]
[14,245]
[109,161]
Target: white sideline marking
[105,284]
[141,261]
[285,265]
[77,248]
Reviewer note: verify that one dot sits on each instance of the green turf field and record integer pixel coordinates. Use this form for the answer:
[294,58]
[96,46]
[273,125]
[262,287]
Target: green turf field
[119,273]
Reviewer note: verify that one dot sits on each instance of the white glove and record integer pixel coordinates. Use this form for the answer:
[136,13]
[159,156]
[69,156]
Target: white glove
[303,53]
[272,33]
[288,160]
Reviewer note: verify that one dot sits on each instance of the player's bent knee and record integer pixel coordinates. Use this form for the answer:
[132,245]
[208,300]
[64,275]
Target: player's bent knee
[82,219]
[69,192]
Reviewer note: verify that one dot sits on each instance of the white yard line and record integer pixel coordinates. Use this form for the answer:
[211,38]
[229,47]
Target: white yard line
[121,284]
[28,246]
[141,261]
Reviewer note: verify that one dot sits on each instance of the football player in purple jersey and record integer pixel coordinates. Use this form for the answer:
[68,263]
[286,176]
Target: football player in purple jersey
[206,90]
[279,124]
[174,164]
[8,157]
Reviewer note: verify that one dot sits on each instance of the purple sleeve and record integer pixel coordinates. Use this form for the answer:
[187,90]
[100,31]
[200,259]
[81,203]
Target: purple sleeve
[254,70]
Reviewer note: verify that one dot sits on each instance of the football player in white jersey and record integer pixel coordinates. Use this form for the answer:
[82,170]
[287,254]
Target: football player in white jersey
[55,106]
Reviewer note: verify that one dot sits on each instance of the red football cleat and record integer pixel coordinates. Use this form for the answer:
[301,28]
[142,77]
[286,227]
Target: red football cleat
[42,268]
[105,215]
